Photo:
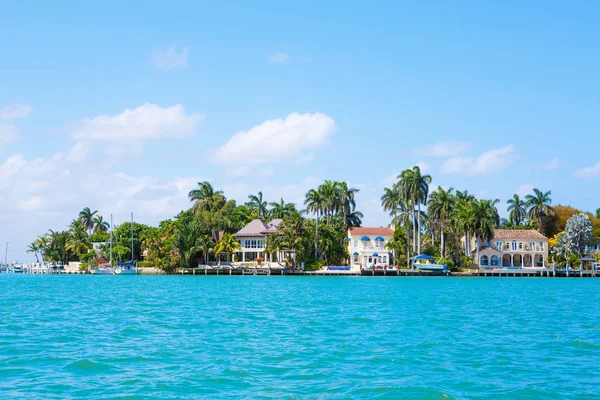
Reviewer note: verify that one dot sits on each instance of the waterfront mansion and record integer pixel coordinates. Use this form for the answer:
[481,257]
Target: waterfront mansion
[513,248]
[252,238]
[366,246]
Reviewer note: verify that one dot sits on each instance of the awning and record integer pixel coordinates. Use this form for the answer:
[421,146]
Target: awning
[365,238]
[379,238]
[422,257]
[588,259]
[356,253]
[375,254]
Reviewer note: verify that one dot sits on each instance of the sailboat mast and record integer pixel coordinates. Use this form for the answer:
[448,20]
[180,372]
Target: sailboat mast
[111,237]
[132,258]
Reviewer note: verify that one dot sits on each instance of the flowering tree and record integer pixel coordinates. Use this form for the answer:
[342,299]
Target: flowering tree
[577,232]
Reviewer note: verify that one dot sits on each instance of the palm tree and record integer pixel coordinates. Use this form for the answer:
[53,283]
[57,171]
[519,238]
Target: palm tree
[273,246]
[228,244]
[100,225]
[464,221]
[86,216]
[330,196]
[539,206]
[486,218]
[78,241]
[415,187]
[257,205]
[516,210]
[205,245]
[34,248]
[346,198]
[441,206]
[314,203]
[598,213]
[281,209]
[206,197]
[354,219]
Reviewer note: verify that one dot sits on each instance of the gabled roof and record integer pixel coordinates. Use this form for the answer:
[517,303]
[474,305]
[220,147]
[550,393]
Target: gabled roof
[254,228]
[371,231]
[518,234]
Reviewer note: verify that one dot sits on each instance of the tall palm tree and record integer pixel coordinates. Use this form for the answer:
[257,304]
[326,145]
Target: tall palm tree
[281,209]
[440,208]
[314,203]
[330,197]
[464,221]
[257,205]
[206,197]
[100,225]
[354,219]
[205,245]
[86,216]
[516,210]
[539,206]
[346,198]
[486,218]
[415,187]
[34,248]
[228,244]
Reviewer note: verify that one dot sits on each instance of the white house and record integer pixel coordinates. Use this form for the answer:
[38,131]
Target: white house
[513,248]
[252,238]
[366,246]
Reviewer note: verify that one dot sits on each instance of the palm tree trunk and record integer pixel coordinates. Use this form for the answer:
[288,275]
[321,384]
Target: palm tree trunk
[414,229]
[407,249]
[443,242]
[419,226]
[317,238]
[467,243]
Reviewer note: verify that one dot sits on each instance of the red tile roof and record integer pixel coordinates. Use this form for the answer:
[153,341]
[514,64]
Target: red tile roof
[518,234]
[372,231]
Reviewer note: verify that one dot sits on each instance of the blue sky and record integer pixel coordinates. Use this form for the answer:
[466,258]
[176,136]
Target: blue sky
[122,106]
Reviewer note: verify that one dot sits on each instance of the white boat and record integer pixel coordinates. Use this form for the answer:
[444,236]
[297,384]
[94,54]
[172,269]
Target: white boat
[423,262]
[104,269]
[16,269]
[127,268]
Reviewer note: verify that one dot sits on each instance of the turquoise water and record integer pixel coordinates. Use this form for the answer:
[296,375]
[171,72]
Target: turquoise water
[172,337]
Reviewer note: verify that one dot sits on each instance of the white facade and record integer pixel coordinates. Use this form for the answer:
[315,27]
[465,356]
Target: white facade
[367,246]
[252,238]
[513,248]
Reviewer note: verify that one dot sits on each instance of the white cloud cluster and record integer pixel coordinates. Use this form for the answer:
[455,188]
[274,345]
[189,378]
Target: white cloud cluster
[170,58]
[552,165]
[590,172]
[276,140]
[491,161]
[446,148]
[278,58]
[9,132]
[146,122]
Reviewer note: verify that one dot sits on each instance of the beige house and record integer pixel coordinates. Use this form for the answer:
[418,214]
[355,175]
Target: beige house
[366,246]
[252,238]
[513,248]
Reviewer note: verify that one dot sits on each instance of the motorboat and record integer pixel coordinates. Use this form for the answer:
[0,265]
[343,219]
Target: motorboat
[424,262]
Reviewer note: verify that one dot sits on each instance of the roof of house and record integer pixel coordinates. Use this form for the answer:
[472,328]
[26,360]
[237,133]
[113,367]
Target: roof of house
[518,234]
[253,228]
[371,231]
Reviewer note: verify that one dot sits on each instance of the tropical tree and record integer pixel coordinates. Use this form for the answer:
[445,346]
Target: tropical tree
[205,245]
[34,248]
[86,216]
[281,209]
[346,198]
[539,207]
[205,197]
[517,210]
[314,203]
[485,219]
[414,186]
[227,244]
[257,205]
[440,208]
[100,225]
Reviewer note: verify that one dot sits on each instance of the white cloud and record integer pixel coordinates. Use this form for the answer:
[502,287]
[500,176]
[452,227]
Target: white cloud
[78,152]
[278,58]
[552,165]
[446,148]
[524,190]
[8,134]
[589,172]
[277,140]
[423,166]
[145,122]
[170,58]
[14,111]
[491,161]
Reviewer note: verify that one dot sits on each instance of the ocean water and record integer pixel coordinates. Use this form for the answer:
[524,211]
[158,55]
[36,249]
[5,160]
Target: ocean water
[175,337]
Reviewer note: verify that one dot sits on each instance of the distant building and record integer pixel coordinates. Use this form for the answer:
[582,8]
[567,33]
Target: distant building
[252,238]
[366,246]
[513,248]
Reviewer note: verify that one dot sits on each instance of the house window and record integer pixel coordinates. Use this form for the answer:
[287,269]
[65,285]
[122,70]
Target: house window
[495,261]
[485,261]
[507,246]
[514,245]
[542,246]
[385,259]
[520,245]
[499,245]
[356,244]
[379,242]
[541,260]
[355,259]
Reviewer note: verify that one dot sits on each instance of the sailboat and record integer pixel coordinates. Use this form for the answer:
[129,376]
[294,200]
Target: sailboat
[127,268]
[106,269]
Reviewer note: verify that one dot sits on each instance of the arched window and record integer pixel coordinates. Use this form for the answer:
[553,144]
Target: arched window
[355,258]
[541,260]
[484,261]
[385,259]
[379,241]
[514,245]
[495,261]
